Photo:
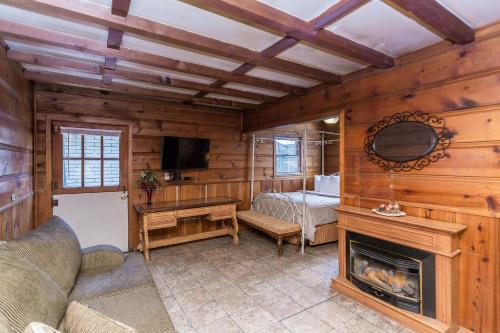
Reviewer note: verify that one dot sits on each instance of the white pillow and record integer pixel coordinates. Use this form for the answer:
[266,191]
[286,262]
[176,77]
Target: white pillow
[334,185]
[324,185]
[317,182]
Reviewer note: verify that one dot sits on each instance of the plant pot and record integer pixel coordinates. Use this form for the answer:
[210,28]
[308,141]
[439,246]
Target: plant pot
[149,194]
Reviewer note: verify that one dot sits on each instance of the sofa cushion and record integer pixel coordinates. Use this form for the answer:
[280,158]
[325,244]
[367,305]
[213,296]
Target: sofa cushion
[52,247]
[105,282]
[141,308]
[28,294]
[80,318]
[4,324]
[101,257]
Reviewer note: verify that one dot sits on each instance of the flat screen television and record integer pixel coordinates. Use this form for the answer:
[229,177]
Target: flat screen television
[184,153]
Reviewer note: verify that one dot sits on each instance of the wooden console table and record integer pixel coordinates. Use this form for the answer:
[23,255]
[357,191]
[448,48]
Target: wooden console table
[440,238]
[166,215]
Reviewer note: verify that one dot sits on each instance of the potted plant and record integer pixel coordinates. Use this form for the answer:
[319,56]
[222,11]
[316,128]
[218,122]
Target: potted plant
[148,182]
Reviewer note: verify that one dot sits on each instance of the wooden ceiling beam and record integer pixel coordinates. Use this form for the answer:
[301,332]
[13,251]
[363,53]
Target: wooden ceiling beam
[19,30]
[114,40]
[109,62]
[278,47]
[256,13]
[93,13]
[439,19]
[45,77]
[120,7]
[335,13]
[93,68]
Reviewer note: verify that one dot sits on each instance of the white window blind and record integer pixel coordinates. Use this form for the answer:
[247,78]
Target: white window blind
[91,158]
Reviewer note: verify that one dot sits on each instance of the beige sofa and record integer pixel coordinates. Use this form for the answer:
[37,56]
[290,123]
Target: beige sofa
[43,271]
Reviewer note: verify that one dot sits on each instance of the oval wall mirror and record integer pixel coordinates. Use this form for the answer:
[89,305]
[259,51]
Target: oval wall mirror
[407,141]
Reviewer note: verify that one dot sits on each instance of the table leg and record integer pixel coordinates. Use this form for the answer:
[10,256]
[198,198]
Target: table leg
[280,246]
[145,248]
[235,229]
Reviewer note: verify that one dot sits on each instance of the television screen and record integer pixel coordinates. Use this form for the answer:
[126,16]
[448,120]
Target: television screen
[184,153]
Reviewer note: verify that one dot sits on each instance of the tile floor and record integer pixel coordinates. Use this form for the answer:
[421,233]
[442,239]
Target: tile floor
[215,286]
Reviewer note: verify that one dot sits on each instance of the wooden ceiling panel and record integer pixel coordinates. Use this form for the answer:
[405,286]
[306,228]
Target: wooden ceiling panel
[144,29]
[30,46]
[135,42]
[256,90]
[187,17]
[129,88]
[163,72]
[63,71]
[476,13]
[36,19]
[155,86]
[439,19]
[305,10]
[232,98]
[27,32]
[264,16]
[267,74]
[335,13]
[65,65]
[391,33]
[314,57]
[53,61]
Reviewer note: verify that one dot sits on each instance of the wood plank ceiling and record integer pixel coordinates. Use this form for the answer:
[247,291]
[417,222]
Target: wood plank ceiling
[240,54]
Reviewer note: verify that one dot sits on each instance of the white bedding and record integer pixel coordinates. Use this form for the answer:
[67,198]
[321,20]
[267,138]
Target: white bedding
[319,210]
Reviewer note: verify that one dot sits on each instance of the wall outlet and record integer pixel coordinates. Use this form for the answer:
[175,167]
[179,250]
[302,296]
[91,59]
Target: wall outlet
[13,197]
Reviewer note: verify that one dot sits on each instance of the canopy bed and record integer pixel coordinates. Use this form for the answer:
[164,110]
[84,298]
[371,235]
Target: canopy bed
[312,210]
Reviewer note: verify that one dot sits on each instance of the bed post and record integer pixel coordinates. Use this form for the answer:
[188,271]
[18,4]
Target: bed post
[322,153]
[304,187]
[252,176]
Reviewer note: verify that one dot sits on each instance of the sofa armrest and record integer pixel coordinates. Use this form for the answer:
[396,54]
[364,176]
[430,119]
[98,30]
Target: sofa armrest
[101,257]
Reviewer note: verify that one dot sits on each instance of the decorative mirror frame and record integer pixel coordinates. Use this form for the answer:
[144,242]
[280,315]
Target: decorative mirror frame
[443,136]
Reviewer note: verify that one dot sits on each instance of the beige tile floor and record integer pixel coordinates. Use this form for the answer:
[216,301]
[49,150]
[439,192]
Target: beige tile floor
[215,286]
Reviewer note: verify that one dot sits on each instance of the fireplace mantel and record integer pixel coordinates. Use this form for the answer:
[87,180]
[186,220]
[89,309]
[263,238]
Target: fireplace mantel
[440,238]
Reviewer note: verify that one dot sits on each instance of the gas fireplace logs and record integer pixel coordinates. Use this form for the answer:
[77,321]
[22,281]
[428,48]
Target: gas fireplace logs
[388,279]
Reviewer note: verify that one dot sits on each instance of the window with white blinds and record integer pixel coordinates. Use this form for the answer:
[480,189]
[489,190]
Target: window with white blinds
[90,158]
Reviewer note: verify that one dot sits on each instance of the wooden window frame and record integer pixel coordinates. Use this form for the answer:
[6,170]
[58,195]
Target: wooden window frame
[57,158]
[299,156]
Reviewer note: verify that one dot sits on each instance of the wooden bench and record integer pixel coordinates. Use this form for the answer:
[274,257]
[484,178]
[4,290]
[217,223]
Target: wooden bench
[272,226]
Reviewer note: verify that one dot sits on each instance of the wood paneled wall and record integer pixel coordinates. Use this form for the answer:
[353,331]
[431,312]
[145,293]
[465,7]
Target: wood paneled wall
[228,172]
[332,151]
[16,150]
[462,85]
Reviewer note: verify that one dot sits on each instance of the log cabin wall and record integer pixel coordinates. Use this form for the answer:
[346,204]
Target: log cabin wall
[264,160]
[228,173]
[462,85]
[16,150]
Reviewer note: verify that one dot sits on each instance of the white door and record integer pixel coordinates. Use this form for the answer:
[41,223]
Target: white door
[89,171]
[96,218]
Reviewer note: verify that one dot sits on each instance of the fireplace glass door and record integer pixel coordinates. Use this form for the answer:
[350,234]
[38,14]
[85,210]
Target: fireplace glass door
[390,272]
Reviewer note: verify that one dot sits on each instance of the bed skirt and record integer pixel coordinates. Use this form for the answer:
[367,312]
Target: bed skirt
[325,233]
